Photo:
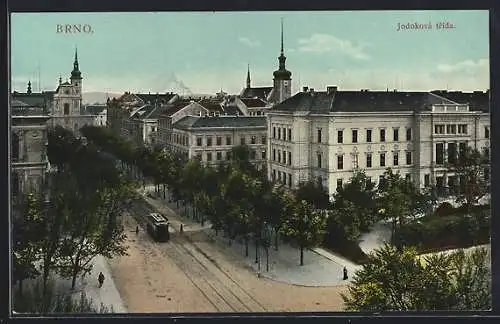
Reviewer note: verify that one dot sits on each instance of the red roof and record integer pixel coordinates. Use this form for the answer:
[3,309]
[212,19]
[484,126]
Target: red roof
[253,102]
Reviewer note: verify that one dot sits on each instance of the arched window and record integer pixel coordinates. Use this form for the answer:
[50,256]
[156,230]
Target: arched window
[15,147]
[66,109]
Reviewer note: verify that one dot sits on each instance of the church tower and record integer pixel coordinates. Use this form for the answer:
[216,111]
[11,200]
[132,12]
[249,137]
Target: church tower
[76,76]
[282,87]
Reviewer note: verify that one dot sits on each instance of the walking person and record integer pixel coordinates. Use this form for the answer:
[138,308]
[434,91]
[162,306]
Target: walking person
[137,230]
[345,274]
[101,279]
[181,229]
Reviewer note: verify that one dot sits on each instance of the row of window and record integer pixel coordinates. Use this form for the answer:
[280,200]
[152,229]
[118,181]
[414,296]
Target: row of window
[282,177]
[450,152]
[282,156]
[369,135]
[282,133]
[451,129]
[369,160]
[228,141]
[219,156]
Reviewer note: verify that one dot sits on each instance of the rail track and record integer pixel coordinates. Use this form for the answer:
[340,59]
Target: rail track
[214,283]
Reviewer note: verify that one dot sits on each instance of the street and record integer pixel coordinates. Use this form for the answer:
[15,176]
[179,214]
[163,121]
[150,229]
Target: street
[191,273]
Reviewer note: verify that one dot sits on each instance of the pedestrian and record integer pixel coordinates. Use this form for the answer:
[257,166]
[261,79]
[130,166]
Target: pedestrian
[137,230]
[345,274]
[101,279]
[182,229]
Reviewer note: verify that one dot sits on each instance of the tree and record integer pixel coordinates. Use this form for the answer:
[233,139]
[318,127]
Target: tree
[26,233]
[279,205]
[354,209]
[305,225]
[240,156]
[91,225]
[62,147]
[400,280]
[471,168]
[398,199]
[314,193]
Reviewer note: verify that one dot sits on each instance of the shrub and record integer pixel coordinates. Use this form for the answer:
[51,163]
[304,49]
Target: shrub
[447,231]
[348,249]
[445,209]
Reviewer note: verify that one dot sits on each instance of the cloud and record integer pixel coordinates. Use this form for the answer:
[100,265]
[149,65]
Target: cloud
[468,67]
[324,43]
[248,42]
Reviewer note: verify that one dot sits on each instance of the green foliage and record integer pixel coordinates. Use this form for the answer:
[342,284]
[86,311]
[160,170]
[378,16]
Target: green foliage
[400,280]
[305,225]
[314,193]
[469,167]
[82,219]
[354,209]
[32,301]
[26,233]
[457,230]
[398,199]
[444,209]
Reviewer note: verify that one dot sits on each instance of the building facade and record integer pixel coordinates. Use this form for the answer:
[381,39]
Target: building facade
[28,155]
[325,136]
[135,116]
[211,139]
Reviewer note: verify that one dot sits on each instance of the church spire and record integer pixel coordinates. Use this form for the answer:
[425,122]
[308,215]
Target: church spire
[282,72]
[248,77]
[282,51]
[76,74]
[282,57]
[29,87]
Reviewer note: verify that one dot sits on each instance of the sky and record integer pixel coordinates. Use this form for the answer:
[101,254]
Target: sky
[204,52]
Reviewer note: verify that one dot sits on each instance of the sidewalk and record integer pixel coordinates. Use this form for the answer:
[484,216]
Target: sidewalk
[321,268]
[107,295]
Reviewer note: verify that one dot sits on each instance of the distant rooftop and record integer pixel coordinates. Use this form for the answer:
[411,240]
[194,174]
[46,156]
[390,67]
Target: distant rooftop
[222,121]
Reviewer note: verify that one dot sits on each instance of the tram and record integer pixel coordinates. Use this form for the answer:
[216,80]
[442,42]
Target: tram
[157,227]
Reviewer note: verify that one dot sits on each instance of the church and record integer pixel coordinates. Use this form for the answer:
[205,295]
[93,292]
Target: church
[31,115]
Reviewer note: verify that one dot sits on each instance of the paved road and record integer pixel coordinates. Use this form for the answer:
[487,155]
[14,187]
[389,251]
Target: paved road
[320,268]
[213,282]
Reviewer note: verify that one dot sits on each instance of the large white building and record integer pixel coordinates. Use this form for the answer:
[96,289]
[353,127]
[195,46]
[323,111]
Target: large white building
[325,135]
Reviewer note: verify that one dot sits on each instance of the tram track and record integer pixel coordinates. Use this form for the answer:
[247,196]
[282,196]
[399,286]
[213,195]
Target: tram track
[214,283]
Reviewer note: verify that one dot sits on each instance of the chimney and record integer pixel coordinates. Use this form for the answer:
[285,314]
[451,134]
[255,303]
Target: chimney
[305,89]
[331,89]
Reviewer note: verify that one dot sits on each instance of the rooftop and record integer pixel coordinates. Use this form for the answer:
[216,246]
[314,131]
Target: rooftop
[259,92]
[477,100]
[333,100]
[253,102]
[222,121]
